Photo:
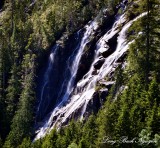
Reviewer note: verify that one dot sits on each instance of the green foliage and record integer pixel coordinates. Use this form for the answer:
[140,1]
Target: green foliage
[50,140]
[73,145]
[28,29]
[157,139]
[136,107]
[1,143]
[26,143]
[23,118]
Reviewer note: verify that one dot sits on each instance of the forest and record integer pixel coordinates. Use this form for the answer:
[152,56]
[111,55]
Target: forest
[127,119]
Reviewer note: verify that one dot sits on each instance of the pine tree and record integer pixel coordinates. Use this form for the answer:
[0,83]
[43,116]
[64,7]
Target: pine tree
[50,140]
[23,119]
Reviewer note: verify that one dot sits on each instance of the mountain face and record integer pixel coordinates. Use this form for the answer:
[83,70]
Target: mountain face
[79,74]
[75,69]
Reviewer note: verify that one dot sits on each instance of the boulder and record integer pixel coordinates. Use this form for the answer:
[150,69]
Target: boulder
[109,47]
[107,52]
[94,72]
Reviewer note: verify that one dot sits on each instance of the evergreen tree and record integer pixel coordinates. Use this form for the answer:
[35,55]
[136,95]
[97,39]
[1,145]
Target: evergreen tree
[23,119]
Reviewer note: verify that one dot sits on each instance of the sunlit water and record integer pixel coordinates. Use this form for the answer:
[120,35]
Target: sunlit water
[85,88]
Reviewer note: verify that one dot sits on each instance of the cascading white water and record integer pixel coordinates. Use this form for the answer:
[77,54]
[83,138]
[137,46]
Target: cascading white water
[86,87]
[73,70]
[47,78]
[74,67]
[110,62]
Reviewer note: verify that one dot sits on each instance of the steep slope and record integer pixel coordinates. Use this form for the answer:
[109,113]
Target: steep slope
[79,73]
[78,98]
[28,29]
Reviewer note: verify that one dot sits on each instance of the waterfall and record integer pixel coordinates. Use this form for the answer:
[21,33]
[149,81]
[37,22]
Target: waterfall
[78,95]
[72,66]
[45,87]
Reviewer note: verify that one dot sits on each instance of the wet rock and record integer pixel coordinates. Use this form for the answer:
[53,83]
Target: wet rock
[56,74]
[99,63]
[103,93]
[96,102]
[94,72]
[106,84]
[125,2]
[109,47]
[113,42]
[75,115]
[121,59]
[107,52]
[86,60]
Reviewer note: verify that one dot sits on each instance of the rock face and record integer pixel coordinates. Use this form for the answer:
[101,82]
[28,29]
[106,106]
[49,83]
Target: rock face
[98,98]
[107,52]
[86,59]
[75,70]
[121,59]
[112,42]
[89,51]
[53,77]
[99,63]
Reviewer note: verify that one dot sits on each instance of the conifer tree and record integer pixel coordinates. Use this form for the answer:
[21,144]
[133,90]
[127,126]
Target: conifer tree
[23,119]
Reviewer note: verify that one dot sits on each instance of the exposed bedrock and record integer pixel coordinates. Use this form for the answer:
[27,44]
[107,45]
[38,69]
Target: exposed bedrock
[98,98]
[80,71]
[55,74]
[99,63]
[89,51]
